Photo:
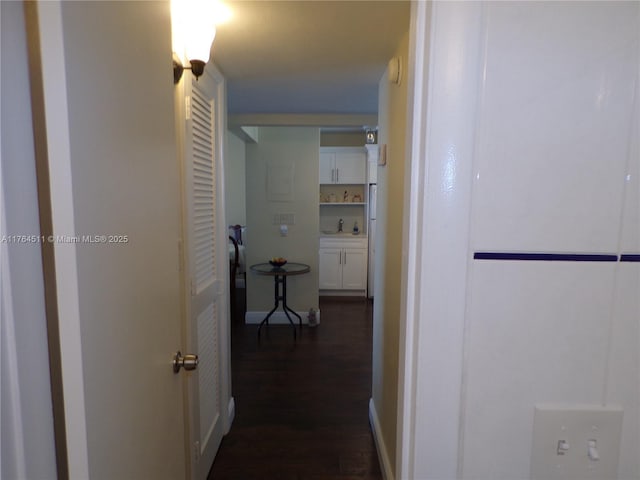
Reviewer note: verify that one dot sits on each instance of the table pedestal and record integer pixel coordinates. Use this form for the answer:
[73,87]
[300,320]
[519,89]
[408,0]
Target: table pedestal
[280,274]
[280,295]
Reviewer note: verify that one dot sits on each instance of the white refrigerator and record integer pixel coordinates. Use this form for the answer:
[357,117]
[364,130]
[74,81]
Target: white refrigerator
[373,198]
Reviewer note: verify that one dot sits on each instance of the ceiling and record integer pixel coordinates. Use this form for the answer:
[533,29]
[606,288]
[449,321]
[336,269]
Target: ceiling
[319,57]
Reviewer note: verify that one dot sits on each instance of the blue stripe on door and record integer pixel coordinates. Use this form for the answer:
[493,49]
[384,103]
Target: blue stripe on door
[547,257]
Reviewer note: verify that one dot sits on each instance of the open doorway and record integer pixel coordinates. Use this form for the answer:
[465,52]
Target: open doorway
[389,99]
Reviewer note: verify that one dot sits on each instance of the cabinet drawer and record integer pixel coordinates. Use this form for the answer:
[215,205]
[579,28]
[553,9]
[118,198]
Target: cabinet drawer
[353,241]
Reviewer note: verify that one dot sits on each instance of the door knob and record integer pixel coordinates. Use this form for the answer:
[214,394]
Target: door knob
[188,361]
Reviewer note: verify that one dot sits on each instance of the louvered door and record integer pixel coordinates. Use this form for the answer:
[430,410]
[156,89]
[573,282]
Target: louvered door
[206,308]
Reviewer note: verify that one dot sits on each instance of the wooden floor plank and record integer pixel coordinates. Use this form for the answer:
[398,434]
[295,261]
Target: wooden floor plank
[302,407]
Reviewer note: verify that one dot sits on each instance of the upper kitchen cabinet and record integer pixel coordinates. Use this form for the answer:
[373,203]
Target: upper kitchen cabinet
[343,165]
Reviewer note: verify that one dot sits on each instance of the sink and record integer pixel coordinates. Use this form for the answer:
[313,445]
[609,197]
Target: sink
[330,232]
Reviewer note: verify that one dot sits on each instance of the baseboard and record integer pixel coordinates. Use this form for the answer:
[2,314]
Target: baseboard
[342,293]
[231,412]
[383,454]
[278,318]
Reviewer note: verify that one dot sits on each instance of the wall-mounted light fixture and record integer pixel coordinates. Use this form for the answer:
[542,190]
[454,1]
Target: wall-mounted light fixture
[195,53]
[193,24]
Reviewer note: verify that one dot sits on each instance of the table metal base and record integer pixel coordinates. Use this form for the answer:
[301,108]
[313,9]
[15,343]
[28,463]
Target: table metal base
[281,297]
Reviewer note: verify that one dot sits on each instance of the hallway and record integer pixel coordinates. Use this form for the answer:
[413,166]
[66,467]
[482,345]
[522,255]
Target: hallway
[302,408]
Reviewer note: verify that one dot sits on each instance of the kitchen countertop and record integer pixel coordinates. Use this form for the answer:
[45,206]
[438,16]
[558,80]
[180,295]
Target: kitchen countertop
[342,235]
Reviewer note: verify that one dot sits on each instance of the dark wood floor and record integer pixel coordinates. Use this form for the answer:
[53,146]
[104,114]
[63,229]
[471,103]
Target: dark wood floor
[302,407]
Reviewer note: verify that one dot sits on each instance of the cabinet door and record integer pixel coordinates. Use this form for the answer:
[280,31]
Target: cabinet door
[354,269]
[351,167]
[330,268]
[327,167]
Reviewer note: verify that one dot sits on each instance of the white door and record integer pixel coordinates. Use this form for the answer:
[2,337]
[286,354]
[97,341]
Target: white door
[206,268]
[351,167]
[330,268]
[354,268]
[327,171]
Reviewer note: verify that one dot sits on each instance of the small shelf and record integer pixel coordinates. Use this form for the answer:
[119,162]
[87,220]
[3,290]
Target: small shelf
[342,203]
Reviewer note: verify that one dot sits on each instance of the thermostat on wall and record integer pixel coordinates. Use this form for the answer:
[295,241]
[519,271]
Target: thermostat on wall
[382,158]
[395,70]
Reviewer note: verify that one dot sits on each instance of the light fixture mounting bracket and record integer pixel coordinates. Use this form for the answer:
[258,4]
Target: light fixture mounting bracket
[197,68]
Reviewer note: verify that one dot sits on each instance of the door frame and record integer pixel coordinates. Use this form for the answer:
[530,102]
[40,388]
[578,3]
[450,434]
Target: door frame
[445,40]
[409,310]
[58,148]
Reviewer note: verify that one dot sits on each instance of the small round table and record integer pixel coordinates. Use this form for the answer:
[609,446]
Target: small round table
[280,275]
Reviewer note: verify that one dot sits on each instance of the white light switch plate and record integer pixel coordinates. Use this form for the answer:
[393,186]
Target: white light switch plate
[575,425]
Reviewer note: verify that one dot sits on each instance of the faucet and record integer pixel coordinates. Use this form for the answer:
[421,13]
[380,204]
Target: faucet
[340,223]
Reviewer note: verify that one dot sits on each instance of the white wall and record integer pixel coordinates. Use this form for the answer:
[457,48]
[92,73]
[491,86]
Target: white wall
[234,181]
[555,183]
[297,146]
[531,146]
[27,420]
[122,178]
[390,217]
[342,139]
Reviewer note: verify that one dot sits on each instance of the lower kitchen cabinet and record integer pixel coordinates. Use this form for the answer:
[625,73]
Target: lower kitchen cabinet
[330,268]
[354,269]
[343,265]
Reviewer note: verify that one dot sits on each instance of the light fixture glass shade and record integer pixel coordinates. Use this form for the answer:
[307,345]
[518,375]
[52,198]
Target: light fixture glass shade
[194,27]
[198,42]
